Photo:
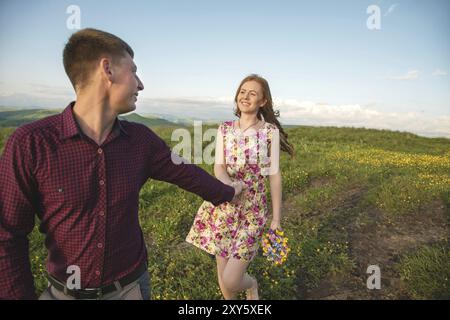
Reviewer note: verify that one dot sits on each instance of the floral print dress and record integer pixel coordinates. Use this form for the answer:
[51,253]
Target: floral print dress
[235,230]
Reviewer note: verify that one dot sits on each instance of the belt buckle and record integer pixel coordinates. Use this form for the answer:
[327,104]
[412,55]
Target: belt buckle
[98,292]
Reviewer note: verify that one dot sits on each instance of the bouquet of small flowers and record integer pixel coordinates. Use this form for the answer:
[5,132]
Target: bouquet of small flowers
[275,246]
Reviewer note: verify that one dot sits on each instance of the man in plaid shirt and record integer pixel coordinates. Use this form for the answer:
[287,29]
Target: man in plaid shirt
[81,172]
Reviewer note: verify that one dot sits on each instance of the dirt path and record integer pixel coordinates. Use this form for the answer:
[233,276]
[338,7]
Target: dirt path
[373,239]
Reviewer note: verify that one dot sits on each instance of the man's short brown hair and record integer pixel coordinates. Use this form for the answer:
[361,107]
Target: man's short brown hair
[83,50]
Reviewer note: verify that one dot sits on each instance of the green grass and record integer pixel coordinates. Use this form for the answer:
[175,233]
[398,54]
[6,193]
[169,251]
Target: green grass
[426,272]
[396,173]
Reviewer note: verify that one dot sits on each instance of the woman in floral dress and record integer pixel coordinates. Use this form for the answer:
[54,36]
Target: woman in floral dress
[247,151]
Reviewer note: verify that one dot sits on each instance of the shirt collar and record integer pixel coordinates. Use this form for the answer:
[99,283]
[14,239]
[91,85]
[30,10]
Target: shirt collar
[70,127]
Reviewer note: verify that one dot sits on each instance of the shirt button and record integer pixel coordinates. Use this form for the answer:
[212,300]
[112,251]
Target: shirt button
[99,151]
[99,245]
[97,273]
[102,213]
[102,182]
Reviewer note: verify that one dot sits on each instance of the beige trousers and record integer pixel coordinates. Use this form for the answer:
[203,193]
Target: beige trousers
[131,291]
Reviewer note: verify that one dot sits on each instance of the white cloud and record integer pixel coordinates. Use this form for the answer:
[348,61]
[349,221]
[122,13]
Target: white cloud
[355,115]
[410,75]
[391,9]
[201,108]
[24,100]
[35,95]
[292,112]
[439,73]
[50,91]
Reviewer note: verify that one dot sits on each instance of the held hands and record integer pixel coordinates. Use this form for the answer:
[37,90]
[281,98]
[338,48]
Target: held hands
[238,186]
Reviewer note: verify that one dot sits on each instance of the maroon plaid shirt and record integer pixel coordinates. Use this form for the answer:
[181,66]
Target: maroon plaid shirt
[86,197]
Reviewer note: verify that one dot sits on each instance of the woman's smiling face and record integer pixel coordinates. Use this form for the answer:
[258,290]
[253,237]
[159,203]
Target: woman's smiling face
[250,97]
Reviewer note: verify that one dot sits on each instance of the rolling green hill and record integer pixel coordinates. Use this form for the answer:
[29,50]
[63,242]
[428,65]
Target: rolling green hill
[10,117]
[352,198]
[15,118]
[148,121]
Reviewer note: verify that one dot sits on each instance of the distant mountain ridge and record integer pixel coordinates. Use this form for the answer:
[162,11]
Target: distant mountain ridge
[15,117]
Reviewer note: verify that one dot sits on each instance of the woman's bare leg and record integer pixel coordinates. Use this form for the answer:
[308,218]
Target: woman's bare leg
[252,293]
[235,278]
[221,264]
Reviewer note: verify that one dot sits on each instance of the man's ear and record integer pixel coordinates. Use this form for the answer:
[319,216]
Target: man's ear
[106,69]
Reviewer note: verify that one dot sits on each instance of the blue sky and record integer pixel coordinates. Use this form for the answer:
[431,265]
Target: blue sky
[324,66]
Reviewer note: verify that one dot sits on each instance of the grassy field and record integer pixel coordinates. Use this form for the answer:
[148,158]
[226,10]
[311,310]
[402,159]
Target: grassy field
[351,198]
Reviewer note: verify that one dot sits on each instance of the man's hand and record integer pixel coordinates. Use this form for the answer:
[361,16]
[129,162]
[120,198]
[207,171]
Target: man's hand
[238,186]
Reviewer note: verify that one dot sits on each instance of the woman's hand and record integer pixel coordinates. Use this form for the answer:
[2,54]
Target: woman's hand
[275,224]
